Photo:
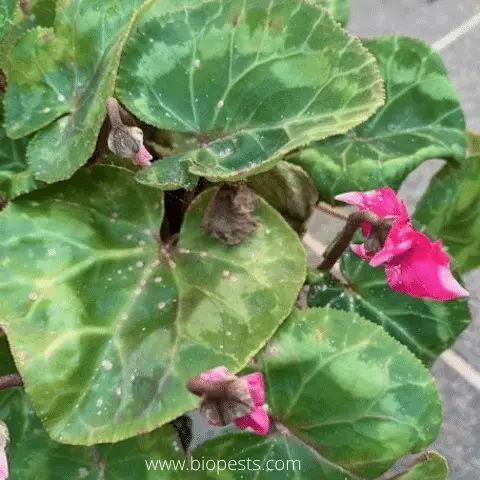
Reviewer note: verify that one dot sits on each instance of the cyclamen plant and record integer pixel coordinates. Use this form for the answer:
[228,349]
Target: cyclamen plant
[159,163]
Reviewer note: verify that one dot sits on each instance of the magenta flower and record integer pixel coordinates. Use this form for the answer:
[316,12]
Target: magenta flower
[227,398]
[382,202]
[413,264]
[4,438]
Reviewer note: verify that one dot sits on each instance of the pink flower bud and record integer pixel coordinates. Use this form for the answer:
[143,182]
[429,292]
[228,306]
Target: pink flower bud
[4,439]
[125,141]
[227,398]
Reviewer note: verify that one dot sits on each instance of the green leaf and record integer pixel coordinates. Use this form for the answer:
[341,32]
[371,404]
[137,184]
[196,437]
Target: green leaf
[14,23]
[44,12]
[168,174]
[426,327]
[473,143]
[422,119]
[7,12]
[456,221]
[430,466]
[280,455]
[61,82]
[345,388]
[290,191]
[33,455]
[251,79]
[339,9]
[16,177]
[106,327]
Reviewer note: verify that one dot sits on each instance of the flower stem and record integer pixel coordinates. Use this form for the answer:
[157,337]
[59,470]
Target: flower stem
[10,380]
[113,109]
[332,211]
[341,243]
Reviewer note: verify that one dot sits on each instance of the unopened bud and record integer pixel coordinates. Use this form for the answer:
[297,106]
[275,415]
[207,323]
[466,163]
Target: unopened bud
[4,439]
[224,400]
[126,141]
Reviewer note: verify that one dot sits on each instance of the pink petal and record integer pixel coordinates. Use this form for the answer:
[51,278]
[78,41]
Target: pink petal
[400,239]
[439,254]
[359,250]
[3,465]
[382,201]
[215,374]
[142,157]
[256,387]
[352,198]
[420,274]
[257,419]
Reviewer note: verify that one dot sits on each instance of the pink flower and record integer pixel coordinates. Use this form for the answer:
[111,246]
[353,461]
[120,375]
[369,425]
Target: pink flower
[3,465]
[257,418]
[382,202]
[4,438]
[414,265]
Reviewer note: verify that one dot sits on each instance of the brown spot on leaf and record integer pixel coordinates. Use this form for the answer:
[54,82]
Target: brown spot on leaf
[229,216]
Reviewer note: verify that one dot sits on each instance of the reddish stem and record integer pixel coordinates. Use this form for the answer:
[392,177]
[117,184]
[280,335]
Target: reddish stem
[10,380]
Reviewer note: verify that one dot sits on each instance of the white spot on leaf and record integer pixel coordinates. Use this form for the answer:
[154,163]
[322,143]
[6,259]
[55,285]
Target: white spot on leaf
[107,364]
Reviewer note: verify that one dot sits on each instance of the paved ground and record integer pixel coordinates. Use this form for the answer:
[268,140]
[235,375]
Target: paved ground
[453,28]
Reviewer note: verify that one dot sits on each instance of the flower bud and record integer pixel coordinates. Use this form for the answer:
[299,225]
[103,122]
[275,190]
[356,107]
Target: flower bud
[126,141]
[4,439]
[226,398]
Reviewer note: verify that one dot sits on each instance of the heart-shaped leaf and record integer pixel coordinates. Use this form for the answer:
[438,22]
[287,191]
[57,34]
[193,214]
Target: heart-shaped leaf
[430,466]
[290,191]
[342,386]
[251,79]
[61,81]
[280,455]
[16,177]
[421,119]
[339,9]
[426,327]
[456,221]
[33,455]
[106,326]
